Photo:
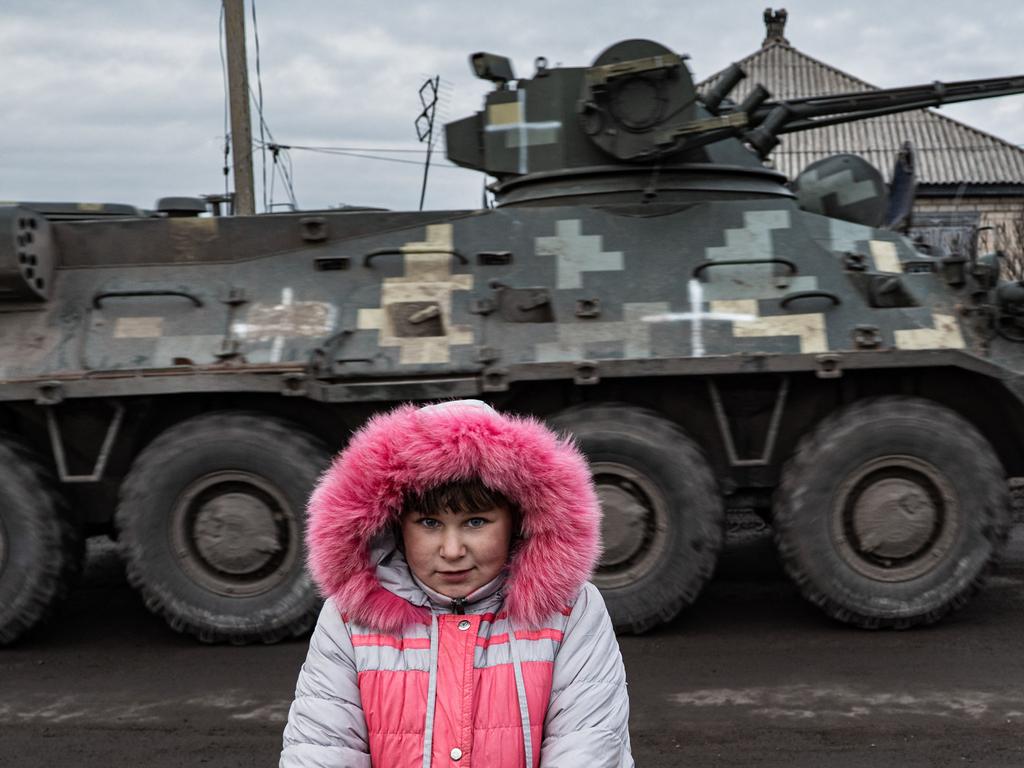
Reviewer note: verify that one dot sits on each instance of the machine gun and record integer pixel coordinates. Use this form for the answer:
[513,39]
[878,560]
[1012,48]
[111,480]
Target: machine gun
[634,121]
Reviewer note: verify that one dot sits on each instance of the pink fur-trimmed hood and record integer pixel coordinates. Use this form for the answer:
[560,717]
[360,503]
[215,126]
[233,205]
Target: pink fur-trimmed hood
[360,496]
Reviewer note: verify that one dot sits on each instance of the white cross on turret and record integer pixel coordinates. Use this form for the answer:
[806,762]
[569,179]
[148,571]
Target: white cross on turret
[510,119]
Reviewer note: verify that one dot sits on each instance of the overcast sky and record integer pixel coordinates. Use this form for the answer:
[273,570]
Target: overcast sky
[123,101]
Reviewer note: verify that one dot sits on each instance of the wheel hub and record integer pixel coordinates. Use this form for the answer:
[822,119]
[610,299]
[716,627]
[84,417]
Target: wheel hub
[234,534]
[623,524]
[895,518]
[632,525]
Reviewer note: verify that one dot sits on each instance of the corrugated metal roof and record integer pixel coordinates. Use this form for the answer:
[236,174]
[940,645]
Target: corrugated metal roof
[948,151]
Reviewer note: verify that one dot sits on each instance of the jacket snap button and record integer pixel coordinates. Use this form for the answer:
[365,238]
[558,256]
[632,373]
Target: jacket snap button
[456,753]
[463,625]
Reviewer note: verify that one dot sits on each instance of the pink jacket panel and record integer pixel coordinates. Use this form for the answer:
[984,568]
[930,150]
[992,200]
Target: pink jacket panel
[476,707]
[394,704]
[391,698]
[362,695]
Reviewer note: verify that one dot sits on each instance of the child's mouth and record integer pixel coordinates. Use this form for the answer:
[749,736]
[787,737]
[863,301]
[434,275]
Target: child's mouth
[454,576]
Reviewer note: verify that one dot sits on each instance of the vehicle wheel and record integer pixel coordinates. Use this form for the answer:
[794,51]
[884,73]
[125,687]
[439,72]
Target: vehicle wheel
[41,550]
[1017,499]
[891,512]
[663,516]
[212,523]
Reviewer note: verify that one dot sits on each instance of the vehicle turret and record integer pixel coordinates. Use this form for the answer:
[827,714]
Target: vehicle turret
[632,127]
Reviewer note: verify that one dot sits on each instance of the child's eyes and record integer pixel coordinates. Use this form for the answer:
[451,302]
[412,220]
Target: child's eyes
[433,524]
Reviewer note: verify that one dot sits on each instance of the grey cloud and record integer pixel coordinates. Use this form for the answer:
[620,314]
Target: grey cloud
[123,100]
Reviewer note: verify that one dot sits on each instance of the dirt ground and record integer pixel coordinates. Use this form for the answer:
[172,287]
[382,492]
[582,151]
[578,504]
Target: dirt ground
[749,676]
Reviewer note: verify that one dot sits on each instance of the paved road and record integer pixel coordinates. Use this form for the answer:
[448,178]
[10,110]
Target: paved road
[750,676]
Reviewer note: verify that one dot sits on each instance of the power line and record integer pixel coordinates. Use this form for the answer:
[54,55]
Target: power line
[285,169]
[281,157]
[224,77]
[264,145]
[331,148]
[273,176]
[273,146]
[259,103]
[361,155]
[282,168]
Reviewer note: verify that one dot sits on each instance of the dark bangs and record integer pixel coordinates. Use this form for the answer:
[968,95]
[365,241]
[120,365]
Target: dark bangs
[468,496]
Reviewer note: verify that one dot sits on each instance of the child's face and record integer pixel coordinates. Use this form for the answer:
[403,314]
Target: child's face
[456,553]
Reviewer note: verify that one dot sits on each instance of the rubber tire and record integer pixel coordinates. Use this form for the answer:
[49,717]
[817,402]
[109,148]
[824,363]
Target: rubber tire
[875,428]
[279,452]
[45,549]
[659,450]
[1017,499]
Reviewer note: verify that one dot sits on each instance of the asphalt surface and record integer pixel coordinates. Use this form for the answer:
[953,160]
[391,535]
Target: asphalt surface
[749,676]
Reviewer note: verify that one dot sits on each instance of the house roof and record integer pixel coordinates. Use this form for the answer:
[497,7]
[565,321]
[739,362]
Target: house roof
[948,152]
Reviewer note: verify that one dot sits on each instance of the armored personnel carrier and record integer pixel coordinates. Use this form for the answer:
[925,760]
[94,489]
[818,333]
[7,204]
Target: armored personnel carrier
[714,335]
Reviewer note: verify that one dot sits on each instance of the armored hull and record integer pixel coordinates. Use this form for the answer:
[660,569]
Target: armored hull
[713,337]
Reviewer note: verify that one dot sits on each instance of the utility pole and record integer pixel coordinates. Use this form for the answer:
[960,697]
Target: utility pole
[238,90]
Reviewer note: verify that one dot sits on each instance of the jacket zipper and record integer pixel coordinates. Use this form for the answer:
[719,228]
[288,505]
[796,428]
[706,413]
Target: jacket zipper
[458,605]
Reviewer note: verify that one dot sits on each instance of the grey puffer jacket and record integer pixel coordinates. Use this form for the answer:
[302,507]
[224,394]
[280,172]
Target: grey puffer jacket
[530,674]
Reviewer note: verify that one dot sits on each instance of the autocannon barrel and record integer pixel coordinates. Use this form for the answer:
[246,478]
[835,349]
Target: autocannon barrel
[760,122]
[817,111]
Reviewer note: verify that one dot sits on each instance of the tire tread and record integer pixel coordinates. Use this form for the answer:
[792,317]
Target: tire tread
[838,427]
[58,575]
[652,427]
[181,617]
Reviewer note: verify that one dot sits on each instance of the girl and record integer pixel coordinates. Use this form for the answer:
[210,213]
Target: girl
[454,544]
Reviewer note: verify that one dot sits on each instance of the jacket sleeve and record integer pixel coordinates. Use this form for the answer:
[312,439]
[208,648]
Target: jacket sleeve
[587,723]
[326,725]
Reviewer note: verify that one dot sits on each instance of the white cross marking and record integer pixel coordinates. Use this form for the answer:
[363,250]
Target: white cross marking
[697,316]
[523,128]
[277,348]
[576,253]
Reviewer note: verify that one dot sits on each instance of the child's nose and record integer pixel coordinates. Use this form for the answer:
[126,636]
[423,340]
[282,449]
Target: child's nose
[452,546]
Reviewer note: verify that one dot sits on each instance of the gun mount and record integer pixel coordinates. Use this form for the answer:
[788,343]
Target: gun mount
[633,127]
